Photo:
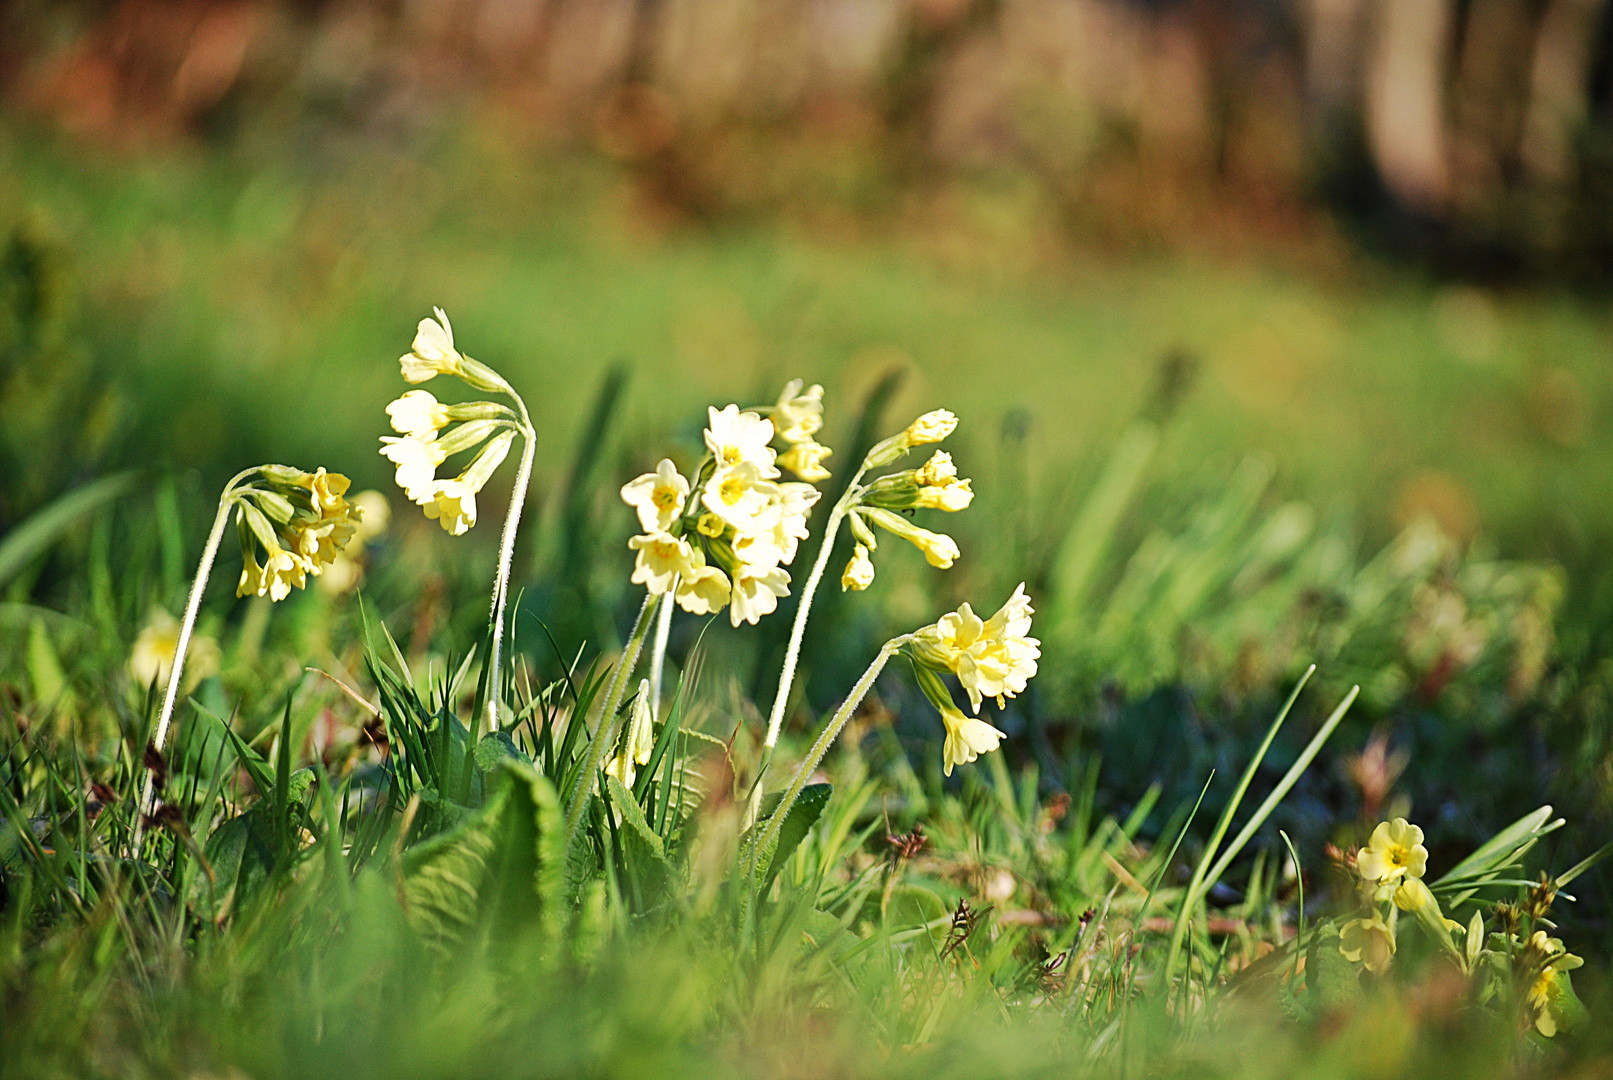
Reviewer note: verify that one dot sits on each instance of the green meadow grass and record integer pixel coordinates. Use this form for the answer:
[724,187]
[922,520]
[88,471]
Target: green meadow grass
[1107,896]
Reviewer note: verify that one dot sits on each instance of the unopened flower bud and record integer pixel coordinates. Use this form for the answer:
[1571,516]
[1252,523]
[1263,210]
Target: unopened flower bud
[859,572]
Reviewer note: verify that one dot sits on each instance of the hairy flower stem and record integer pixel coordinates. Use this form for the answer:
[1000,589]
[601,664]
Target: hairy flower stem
[792,654]
[176,670]
[663,630]
[506,556]
[605,728]
[825,739]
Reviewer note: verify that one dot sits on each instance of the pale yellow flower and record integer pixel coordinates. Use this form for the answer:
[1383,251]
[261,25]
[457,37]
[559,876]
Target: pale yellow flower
[798,416]
[805,459]
[418,413]
[755,592]
[152,657]
[1369,942]
[453,506]
[1546,991]
[662,557]
[1396,850]
[967,738]
[937,472]
[932,427]
[738,494]
[940,550]
[1412,895]
[433,352]
[282,571]
[734,437]
[709,524]
[996,658]
[658,497]
[702,589]
[859,572]
[416,460]
[949,497]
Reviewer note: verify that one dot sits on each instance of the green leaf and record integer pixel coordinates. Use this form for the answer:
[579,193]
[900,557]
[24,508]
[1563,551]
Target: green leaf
[633,818]
[31,538]
[1499,850]
[1331,980]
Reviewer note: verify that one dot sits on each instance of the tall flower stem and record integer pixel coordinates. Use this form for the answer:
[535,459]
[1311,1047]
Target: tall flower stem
[506,556]
[176,670]
[605,728]
[826,738]
[792,654]
[663,630]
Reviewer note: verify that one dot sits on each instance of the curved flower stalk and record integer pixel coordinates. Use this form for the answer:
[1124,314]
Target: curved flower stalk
[934,486]
[486,427]
[291,525]
[991,658]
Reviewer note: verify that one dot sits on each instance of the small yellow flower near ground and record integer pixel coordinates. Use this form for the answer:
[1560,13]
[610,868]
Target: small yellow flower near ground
[1546,993]
[1395,851]
[932,427]
[152,657]
[1369,942]
[638,742]
[967,738]
[433,352]
[859,572]
[658,497]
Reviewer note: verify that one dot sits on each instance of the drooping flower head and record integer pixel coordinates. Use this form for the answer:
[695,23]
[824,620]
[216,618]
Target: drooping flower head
[1369,942]
[966,739]
[433,351]
[298,521]
[994,658]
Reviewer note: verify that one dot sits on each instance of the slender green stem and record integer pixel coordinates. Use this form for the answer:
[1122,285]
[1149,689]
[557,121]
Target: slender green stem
[176,670]
[826,738]
[506,556]
[605,728]
[792,654]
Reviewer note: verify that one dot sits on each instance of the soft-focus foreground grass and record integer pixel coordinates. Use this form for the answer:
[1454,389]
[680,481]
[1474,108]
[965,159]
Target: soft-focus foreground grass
[291,271]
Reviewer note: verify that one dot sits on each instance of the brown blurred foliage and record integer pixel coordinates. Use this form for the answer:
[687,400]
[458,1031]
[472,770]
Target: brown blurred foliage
[1479,128]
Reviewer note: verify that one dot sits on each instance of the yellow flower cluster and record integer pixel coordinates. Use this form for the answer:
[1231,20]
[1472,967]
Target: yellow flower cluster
[1551,962]
[724,540]
[297,521]
[419,419]
[1392,865]
[992,658]
[934,486]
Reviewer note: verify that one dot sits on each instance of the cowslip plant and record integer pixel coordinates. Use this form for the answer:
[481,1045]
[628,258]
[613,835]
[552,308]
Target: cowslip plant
[292,525]
[487,427]
[995,658]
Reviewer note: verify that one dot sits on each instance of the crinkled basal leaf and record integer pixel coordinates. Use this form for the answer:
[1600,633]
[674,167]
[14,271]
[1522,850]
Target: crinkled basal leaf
[1332,981]
[496,871]
[803,815]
